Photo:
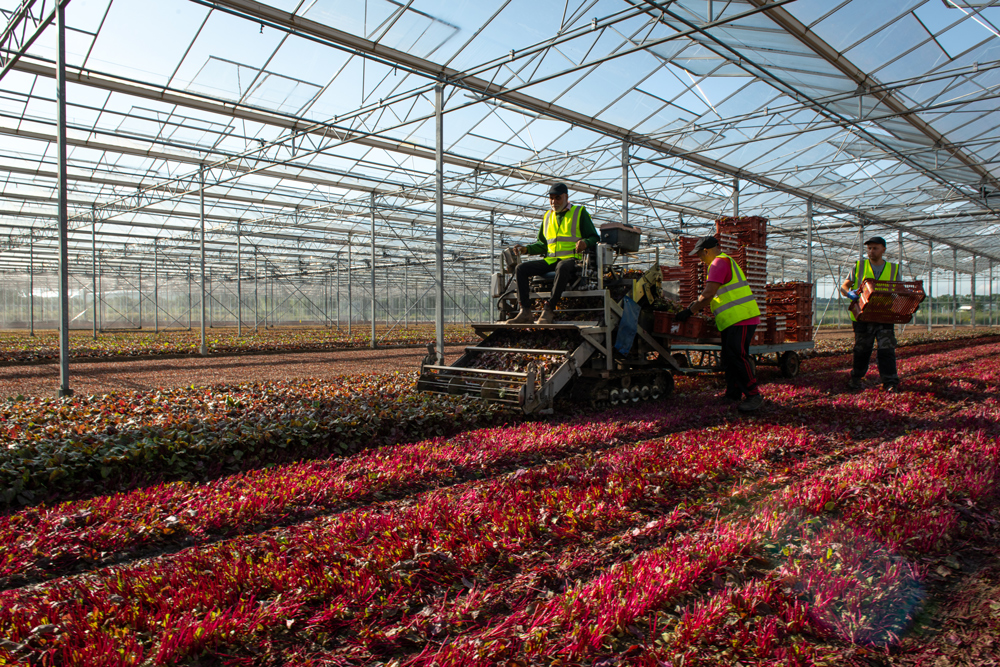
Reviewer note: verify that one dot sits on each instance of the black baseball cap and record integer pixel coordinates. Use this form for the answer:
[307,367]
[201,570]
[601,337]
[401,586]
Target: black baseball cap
[558,189]
[703,243]
[876,239]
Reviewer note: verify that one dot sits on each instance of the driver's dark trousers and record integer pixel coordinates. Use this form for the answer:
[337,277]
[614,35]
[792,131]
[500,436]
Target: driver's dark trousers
[565,272]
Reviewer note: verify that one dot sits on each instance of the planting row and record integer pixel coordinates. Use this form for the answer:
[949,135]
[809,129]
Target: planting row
[19,346]
[764,543]
[51,448]
[370,560]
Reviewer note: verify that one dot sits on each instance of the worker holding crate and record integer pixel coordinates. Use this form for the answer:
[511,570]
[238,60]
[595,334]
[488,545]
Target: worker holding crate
[565,234]
[727,292]
[866,333]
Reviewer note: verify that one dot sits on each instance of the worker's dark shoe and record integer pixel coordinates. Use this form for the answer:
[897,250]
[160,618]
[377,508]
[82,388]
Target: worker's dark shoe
[853,383]
[891,387]
[752,403]
[730,398]
[523,317]
[547,316]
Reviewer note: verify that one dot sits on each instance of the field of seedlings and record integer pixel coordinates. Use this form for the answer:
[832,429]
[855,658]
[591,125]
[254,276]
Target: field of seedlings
[357,522]
[17,346]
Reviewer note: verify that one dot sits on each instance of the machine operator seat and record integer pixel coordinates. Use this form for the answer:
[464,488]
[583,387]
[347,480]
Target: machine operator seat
[586,273]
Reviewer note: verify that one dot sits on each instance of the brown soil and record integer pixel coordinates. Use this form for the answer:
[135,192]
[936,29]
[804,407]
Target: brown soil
[140,374]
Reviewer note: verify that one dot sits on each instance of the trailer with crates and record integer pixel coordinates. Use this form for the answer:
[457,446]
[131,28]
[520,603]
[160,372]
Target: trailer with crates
[696,346]
[786,309]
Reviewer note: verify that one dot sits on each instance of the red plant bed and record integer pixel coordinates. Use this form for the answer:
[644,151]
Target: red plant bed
[804,535]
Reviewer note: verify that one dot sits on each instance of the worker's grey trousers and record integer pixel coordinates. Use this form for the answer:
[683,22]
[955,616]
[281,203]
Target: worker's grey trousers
[865,335]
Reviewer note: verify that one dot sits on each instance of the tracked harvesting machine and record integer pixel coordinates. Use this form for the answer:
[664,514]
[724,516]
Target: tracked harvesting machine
[531,365]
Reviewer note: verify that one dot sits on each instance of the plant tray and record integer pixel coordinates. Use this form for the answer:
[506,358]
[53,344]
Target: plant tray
[888,301]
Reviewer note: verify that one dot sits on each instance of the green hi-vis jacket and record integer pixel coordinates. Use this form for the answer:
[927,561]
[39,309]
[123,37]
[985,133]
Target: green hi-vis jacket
[559,233]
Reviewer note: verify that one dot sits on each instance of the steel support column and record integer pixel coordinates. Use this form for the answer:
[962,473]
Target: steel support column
[156,287]
[954,288]
[809,257]
[625,182]
[736,196]
[31,284]
[93,257]
[203,349]
[63,204]
[239,281]
[350,296]
[256,293]
[493,264]
[930,285]
[439,219]
[972,301]
[373,345]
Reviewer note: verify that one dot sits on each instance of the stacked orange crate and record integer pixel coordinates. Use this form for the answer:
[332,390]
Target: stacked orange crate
[745,240]
[692,281]
[794,300]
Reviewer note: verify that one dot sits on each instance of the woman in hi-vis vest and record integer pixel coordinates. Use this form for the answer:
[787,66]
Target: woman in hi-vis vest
[727,292]
[866,333]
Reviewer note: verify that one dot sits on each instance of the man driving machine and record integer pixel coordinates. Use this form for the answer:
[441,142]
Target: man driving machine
[565,234]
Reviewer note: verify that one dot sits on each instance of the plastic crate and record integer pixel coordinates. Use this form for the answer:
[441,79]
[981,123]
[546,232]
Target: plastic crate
[783,308]
[662,321]
[795,334]
[789,290]
[670,273]
[695,327]
[888,301]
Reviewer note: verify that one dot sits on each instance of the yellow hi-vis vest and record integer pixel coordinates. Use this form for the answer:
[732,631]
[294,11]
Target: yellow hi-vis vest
[561,234]
[734,301]
[863,269]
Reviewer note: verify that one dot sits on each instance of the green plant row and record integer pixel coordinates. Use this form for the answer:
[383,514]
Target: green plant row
[54,449]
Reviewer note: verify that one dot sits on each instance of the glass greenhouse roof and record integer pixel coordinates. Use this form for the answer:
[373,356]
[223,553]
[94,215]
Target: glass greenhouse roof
[312,123]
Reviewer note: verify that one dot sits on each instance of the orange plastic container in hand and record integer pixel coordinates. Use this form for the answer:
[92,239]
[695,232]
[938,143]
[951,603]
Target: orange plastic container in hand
[888,301]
